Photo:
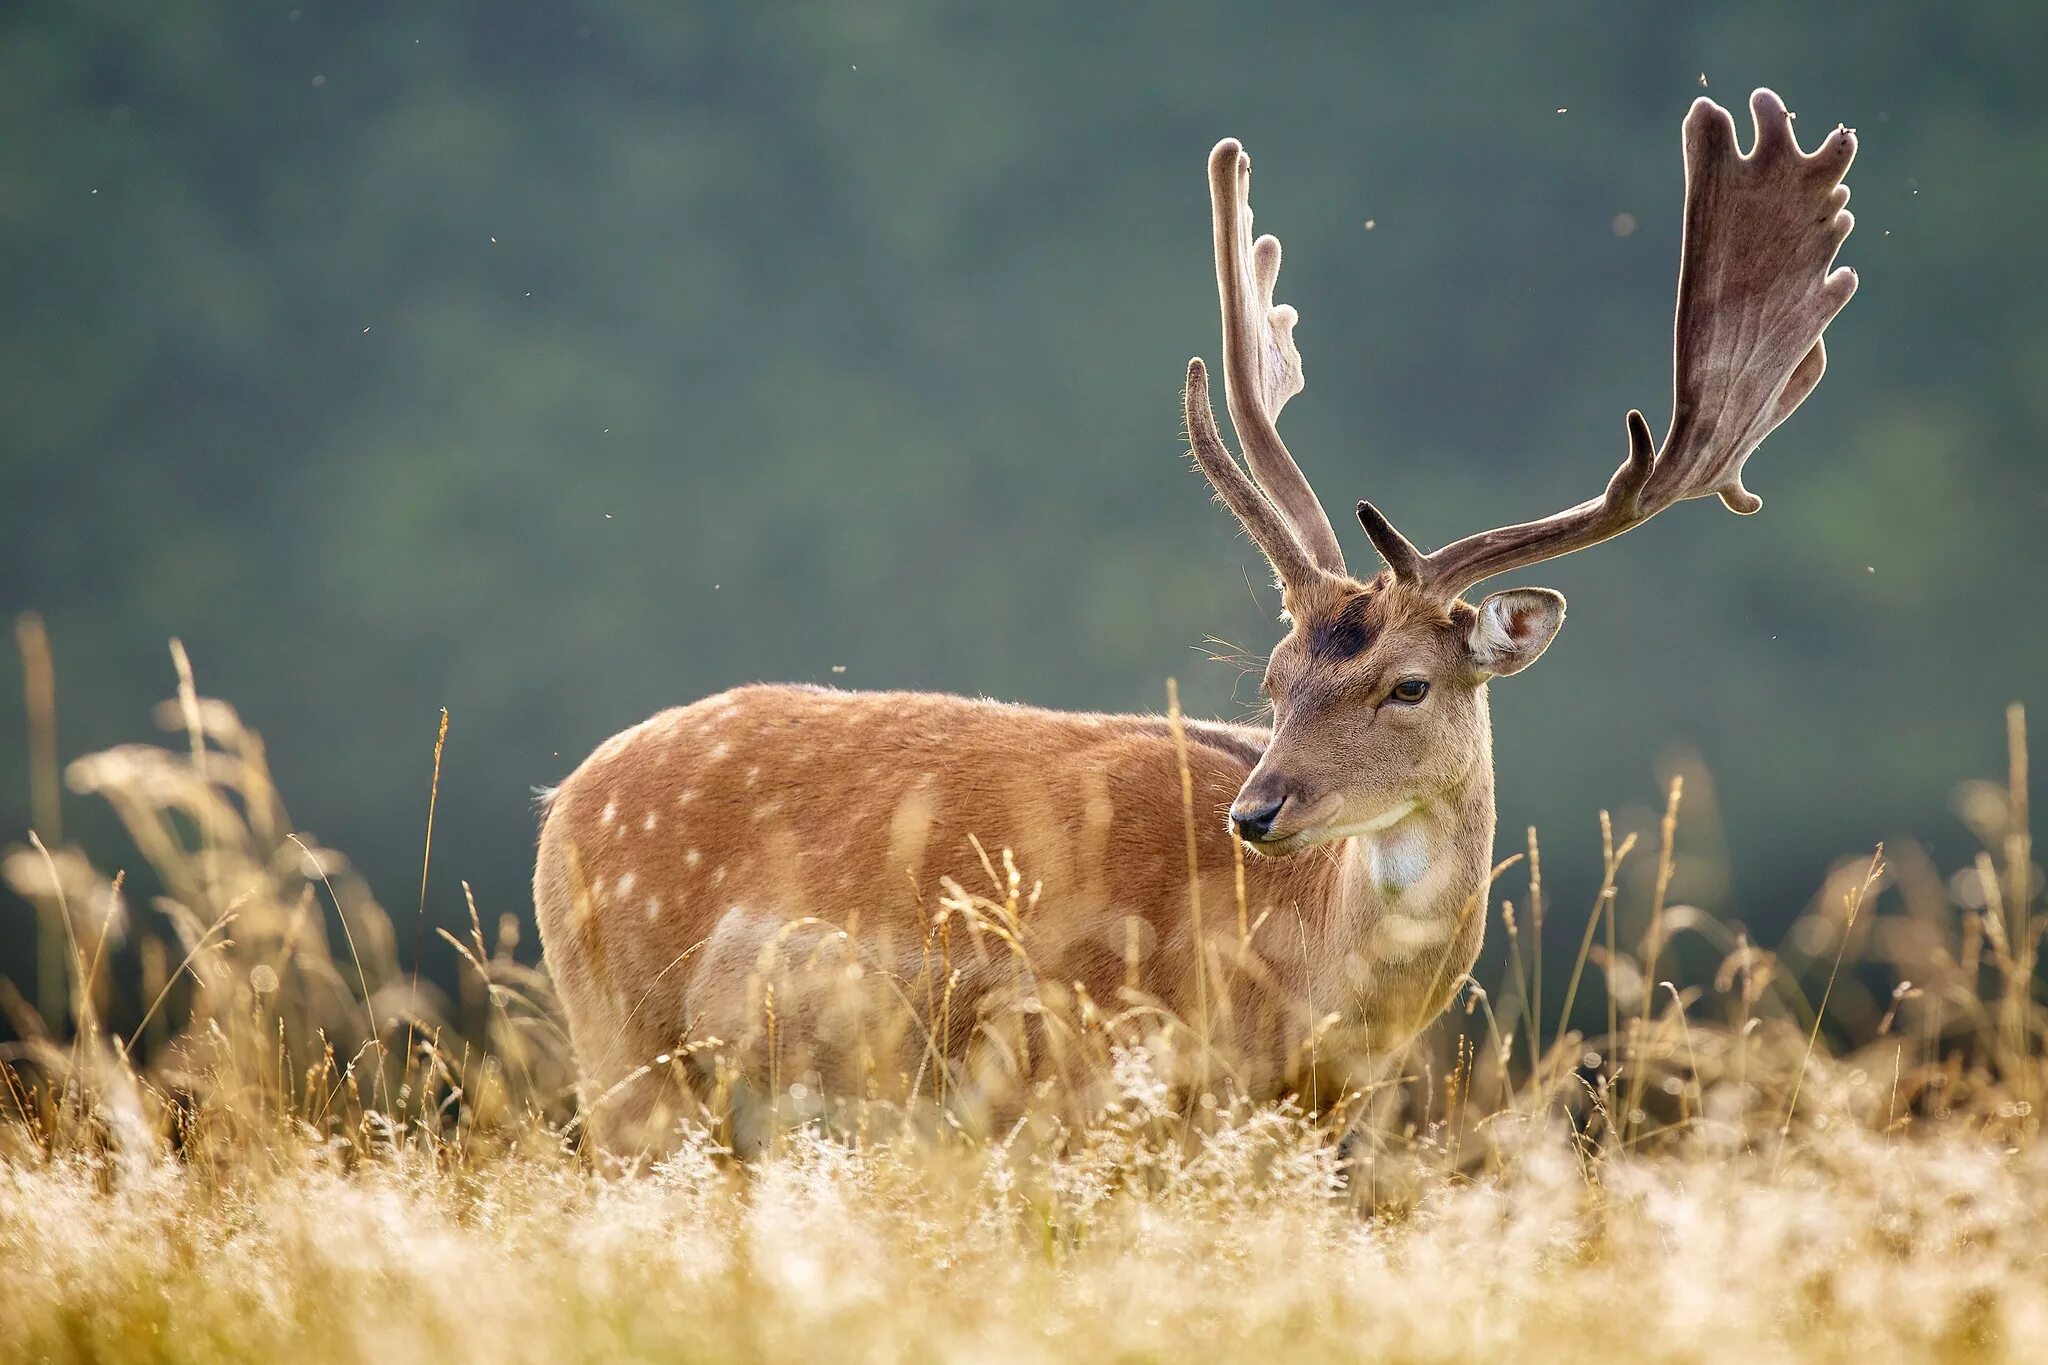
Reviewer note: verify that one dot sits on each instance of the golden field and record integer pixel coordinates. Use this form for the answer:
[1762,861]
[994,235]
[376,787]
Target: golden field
[237,1128]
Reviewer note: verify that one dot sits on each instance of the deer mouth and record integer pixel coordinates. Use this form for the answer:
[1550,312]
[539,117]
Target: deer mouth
[1329,832]
[1308,833]
[1282,846]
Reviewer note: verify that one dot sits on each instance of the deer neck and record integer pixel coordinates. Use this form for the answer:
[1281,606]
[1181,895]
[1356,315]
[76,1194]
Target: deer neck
[1427,861]
[1408,894]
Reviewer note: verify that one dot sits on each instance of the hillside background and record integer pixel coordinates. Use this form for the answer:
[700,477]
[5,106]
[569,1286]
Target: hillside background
[554,363]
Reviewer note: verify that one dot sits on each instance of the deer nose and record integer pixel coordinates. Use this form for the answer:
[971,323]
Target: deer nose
[1254,823]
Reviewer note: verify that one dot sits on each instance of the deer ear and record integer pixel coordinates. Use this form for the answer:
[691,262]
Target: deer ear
[1514,627]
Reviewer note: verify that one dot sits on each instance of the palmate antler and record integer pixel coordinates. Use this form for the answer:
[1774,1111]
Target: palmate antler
[1755,293]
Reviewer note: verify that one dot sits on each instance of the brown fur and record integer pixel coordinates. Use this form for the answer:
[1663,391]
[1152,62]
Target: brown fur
[770,816]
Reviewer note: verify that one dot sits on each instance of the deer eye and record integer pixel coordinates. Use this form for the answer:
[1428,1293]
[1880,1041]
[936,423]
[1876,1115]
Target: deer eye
[1409,691]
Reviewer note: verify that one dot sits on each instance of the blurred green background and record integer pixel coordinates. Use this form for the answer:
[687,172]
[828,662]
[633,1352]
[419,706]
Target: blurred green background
[555,363]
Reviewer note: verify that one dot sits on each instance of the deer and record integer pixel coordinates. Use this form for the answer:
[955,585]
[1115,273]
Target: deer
[1316,883]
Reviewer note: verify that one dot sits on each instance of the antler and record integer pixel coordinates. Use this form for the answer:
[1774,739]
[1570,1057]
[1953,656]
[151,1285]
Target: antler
[1253,509]
[1754,294]
[1261,367]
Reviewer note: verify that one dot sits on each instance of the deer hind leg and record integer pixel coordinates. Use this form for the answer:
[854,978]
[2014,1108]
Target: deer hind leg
[632,1094]
[790,1022]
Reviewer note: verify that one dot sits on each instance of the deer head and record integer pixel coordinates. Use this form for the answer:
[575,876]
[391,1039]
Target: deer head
[1378,688]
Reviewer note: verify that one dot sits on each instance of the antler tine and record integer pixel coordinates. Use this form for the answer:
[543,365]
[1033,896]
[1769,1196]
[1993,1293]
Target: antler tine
[1262,368]
[1400,553]
[1755,292]
[1254,511]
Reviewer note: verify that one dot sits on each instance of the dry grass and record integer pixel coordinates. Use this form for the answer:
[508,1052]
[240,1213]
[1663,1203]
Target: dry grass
[269,1141]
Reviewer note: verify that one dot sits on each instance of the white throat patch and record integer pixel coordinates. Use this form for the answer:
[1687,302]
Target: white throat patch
[1399,857]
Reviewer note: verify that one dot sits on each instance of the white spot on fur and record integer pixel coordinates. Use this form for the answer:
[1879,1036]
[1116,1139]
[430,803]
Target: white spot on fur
[753,776]
[649,823]
[719,750]
[718,874]
[626,885]
[692,857]
[686,796]
[611,812]
[653,907]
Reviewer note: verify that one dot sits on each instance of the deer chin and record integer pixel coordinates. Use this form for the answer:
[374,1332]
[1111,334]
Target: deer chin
[1385,820]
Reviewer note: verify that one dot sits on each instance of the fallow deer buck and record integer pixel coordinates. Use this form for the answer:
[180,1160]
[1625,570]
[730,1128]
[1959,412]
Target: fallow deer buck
[691,860]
